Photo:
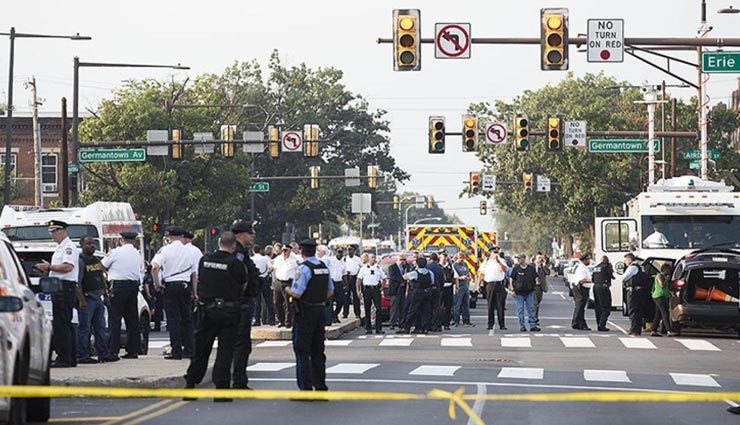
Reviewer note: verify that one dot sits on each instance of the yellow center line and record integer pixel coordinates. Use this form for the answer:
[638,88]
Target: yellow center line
[141,411]
[158,413]
[86,419]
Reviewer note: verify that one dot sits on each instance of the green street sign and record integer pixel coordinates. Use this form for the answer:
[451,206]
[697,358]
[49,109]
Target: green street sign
[696,154]
[621,145]
[259,187]
[113,155]
[695,165]
[720,62]
[72,168]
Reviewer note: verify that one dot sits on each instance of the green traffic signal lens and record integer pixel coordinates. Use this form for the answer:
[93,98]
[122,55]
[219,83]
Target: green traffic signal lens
[407,58]
[469,145]
[524,143]
[438,146]
[554,56]
[554,144]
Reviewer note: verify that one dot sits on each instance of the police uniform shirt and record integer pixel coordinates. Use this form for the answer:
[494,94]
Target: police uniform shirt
[176,261]
[353,265]
[66,252]
[602,274]
[371,275]
[414,275]
[221,275]
[285,268]
[581,273]
[493,271]
[304,275]
[337,269]
[263,263]
[195,255]
[124,263]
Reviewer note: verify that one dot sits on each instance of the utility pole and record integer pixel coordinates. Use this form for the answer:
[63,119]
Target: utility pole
[64,154]
[703,100]
[38,197]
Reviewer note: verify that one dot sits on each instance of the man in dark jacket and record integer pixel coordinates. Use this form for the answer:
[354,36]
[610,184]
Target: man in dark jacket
[523,280]
[397,289]
[602,277]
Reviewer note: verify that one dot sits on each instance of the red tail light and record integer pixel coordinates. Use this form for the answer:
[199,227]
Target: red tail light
[679,283]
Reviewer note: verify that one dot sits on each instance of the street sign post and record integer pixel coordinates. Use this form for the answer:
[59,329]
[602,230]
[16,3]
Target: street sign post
[361,203]
[621,145]
[605,40]
[574,134]
[720,62]
[257,187]
[352,177]
[113,155]
[495,133]
[292,141]
[203,148]
[452,41]
[695,154]
[253,136]
[157,136]
[489,182]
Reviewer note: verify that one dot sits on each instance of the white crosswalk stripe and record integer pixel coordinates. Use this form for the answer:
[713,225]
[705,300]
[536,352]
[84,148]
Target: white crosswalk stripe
[698,345]
[270,344]
[457,342]
[605,375]
[577,342]
[641,343]
[269,367]
[696,380]
[517,342]
[396,342]
[352,368]
[338,342]
[432,370]
[521,373]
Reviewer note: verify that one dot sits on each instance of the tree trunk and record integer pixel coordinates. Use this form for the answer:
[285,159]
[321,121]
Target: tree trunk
[568,245]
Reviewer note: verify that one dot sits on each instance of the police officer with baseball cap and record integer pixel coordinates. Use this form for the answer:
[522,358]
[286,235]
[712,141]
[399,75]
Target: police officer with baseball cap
[244,234]
[309,292]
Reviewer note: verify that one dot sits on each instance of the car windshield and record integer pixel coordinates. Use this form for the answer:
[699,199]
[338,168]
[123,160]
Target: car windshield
[41,233]
[690,232]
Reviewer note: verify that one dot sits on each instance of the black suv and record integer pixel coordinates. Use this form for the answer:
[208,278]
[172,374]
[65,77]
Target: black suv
[705,290]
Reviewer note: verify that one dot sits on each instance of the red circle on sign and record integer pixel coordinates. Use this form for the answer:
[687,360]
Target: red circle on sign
[605,54]
[575,142]
[461,47]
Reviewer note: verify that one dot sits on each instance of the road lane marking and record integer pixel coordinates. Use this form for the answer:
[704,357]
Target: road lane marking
[143,410]
[517,342]
[352,368]
[158,344]
[338,342]
[457,342]
[521,373]
[157,413]
[577,342]
[271,344]
[698,345]
[642,343]
[398,342]
[435,370]
[84,419]
[694,379]
[269,367]
[618,327]
[605,375]
[480,401]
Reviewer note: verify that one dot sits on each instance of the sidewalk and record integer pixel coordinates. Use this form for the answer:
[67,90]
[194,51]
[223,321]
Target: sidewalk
[153,371]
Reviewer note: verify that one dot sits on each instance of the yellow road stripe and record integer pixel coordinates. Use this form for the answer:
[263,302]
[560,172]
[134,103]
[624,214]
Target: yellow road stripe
[84,419]
[158,413]
[135,413]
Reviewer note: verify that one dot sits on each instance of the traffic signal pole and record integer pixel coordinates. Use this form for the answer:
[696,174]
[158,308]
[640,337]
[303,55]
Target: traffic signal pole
[655,43]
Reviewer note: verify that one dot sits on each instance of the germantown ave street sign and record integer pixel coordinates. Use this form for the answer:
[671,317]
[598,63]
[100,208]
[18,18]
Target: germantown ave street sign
[621,145]
[113,155]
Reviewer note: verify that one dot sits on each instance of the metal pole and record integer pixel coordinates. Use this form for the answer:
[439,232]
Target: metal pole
[673,139]
[37,194]
[251,195]
[75,134]
[9,123]
[406,220]
[650,98]
[703,31]
[65,155]
[662,127]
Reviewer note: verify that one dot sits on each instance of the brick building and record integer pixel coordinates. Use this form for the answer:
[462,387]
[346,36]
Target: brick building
[22,158]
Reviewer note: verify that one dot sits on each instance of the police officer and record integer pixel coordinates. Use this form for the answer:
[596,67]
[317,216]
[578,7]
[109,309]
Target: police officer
[637,283]
[244,235]
[309,292]
[602,277]
[420,309]
[64,265]
[175,267]
[222,281]
[369,281]
[125,267]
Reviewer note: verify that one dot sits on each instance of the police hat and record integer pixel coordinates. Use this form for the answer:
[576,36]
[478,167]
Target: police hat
[128,235]
[242,227]
[307,242]
[175,231]
[421,262]
[188,235]
[57,224]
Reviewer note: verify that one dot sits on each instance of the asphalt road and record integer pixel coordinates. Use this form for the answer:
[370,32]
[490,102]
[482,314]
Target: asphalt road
[481,362]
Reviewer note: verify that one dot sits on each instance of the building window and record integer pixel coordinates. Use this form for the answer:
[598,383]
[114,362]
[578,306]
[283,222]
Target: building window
[49,167]
[13,159]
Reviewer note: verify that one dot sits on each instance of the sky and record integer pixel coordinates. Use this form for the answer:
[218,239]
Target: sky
[209,36]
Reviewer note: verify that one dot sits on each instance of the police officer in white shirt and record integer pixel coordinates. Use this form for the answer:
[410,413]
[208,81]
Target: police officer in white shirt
[285,267]
[354,263]
[64,265]
[338,275]
[172,268]
[369,281]
[264,292]
[582,277]
[125,266]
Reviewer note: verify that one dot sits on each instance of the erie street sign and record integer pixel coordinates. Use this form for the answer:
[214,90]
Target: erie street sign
[696,154]
[720,62]
[259,187]
[621,145]
[113,155]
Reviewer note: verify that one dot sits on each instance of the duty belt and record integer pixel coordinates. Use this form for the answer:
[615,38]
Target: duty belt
[219,304]
[124,281]
[308,304]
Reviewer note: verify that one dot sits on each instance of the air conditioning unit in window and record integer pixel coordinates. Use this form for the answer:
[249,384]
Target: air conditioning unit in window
[49,187]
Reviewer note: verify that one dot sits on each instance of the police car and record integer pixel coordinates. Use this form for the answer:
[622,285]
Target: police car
[25,340]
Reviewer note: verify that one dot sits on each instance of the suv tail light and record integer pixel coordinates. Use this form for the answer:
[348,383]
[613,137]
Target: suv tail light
[679,283]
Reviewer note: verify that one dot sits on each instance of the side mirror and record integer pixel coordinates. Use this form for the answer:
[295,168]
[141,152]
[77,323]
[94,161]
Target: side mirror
[10,304]
[50,285]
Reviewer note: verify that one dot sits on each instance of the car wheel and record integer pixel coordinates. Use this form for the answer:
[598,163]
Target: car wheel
[18,406]
[144,334]
[39,409]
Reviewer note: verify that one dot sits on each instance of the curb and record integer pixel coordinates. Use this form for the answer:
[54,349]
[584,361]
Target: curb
[171,381]
[335,331]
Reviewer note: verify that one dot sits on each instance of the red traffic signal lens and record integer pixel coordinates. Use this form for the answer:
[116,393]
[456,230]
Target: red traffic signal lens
[214,231]
[155,227]
[522,122]
[439,125]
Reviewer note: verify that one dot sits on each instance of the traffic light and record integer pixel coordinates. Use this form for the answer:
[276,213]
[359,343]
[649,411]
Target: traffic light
[527,178]
[430,202]
[554,39]
[474,182]
[372,176]
[176,148]
[311,140]
[483,207]
[521,133]
[314,170]
[396,202]
[470,133]
[436,135]
[273,138]
[554,133]
[227,135]
[214,231]
[407,40]
[155,227]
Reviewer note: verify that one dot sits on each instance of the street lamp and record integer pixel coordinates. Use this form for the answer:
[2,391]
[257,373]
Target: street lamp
[428,219]
[75,108]
[9,123]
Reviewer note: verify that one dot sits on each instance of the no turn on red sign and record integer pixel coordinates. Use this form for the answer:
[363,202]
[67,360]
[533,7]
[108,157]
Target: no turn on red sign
[452,41]
[605,40]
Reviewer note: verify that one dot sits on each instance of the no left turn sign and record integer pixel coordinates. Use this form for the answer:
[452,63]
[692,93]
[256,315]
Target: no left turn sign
[495,133]
[452,41]
[292,141]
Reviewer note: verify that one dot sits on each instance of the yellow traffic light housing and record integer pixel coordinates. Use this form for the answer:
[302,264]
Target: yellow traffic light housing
[273,138]
[436,135]
[430,202]
[314,170]
[372,176]
[554,39]
[470,133]
[554,133]
[521,132]
[474,182]
[311,140]
[527,178]
[483,207]
[396,202]
[407,40]
[227,136]
[177,148]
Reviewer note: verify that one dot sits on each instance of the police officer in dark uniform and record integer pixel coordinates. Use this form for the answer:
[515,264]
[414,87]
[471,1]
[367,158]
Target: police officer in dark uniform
[420,310]
[222,279]
[602,277]
[244,234]
[309,292]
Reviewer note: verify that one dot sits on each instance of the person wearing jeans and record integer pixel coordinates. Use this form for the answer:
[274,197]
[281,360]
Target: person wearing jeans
[660,296]
[462,291]
[91,312]
[523,277]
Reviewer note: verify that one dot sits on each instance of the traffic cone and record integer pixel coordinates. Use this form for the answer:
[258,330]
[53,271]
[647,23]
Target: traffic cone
[701,294]
[720,296]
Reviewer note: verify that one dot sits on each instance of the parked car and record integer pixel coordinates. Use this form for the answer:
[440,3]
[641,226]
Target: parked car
[705,290]
[560,266]
[25,340]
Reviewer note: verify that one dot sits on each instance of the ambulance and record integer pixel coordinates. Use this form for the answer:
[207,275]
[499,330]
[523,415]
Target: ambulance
[450,238]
